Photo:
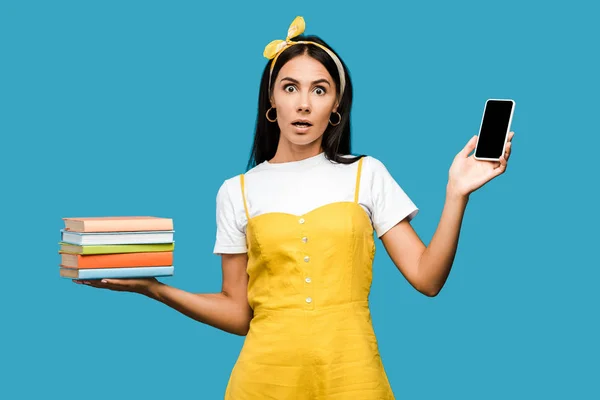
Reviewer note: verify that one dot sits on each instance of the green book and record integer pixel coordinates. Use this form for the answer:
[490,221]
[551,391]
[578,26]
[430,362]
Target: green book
[115,248]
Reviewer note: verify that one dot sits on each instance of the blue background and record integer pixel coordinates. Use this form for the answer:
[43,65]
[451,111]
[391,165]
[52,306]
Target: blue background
[146,107]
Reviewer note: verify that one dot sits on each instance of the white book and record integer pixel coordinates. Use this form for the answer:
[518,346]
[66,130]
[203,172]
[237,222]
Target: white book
[116,273]
[99,238]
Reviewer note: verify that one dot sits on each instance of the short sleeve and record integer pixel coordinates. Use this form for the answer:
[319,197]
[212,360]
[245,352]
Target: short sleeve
[230,238]
[390,204]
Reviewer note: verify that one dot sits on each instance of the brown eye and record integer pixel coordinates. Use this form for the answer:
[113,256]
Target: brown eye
[286,87]
[322,89]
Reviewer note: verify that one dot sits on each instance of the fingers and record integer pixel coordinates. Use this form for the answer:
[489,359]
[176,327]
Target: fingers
[91,282]
[503,162]
[507,151]
[104,283]
[501,167]
[508,147]
[469,147]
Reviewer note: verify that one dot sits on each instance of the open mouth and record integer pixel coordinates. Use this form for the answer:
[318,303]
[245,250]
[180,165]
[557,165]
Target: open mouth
[302,124]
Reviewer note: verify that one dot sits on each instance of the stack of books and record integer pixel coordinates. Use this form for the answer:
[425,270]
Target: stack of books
[116,247]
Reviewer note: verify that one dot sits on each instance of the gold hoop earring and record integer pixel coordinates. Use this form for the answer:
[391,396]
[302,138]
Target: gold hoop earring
[339,120]
[267,115]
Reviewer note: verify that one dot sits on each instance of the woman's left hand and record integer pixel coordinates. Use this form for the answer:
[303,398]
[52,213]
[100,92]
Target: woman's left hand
[468,174]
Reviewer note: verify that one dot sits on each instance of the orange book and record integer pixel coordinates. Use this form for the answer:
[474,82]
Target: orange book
[151,259]
[118,224]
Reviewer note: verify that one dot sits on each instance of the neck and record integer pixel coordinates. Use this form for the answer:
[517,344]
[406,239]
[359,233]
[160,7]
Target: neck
[288,152]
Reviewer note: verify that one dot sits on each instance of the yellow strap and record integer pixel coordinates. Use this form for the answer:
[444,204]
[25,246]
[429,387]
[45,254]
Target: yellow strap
[358,180]
[244,196]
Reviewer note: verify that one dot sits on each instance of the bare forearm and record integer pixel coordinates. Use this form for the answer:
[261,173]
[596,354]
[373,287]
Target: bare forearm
[436,261]
[214,309]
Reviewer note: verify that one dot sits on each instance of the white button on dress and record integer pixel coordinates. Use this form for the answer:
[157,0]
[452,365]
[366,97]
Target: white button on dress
[308,299]
[305,239]
[301,220]
[307,280]
[306,259]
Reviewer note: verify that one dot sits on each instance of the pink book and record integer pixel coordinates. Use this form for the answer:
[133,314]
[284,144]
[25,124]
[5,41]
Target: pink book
[118,224]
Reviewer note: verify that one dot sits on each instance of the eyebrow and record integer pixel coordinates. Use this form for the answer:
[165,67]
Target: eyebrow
[287,78]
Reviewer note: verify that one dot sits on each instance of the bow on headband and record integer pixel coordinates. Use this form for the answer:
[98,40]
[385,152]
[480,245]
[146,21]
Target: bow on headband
[276,47]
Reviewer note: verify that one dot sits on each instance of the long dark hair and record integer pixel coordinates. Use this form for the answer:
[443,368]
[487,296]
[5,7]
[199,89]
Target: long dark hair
[336,139]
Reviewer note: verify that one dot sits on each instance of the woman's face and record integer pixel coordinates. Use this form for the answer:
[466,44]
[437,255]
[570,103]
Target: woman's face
[303,91]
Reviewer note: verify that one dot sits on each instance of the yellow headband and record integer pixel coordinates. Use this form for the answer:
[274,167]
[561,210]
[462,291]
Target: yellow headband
[276,47]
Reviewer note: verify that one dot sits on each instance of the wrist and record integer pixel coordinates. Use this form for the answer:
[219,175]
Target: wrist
[153,290]
[454,194]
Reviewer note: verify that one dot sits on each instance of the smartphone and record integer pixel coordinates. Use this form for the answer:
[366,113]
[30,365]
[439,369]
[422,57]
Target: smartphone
[494,129]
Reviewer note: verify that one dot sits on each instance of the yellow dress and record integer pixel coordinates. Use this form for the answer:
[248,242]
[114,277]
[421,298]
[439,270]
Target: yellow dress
[311,336]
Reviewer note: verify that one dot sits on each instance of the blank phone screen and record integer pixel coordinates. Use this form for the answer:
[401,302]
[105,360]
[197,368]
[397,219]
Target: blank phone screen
[494,128]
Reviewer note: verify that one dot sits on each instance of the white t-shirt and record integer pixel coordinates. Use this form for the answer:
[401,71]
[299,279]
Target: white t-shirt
[298,187]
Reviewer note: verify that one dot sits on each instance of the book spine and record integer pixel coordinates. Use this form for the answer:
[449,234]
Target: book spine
[115,239]
[117,249]
[140,272]
[127,225]
[125,260]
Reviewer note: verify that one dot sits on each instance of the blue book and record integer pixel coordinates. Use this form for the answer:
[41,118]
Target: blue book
[105,238]
[116,273]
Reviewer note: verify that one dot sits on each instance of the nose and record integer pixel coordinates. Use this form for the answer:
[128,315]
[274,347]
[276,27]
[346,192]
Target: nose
[304,105]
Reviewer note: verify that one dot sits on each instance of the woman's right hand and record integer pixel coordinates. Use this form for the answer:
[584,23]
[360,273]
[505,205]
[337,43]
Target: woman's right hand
[134,285]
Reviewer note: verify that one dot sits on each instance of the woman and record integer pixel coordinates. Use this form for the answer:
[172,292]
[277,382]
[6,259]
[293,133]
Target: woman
[295,234]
